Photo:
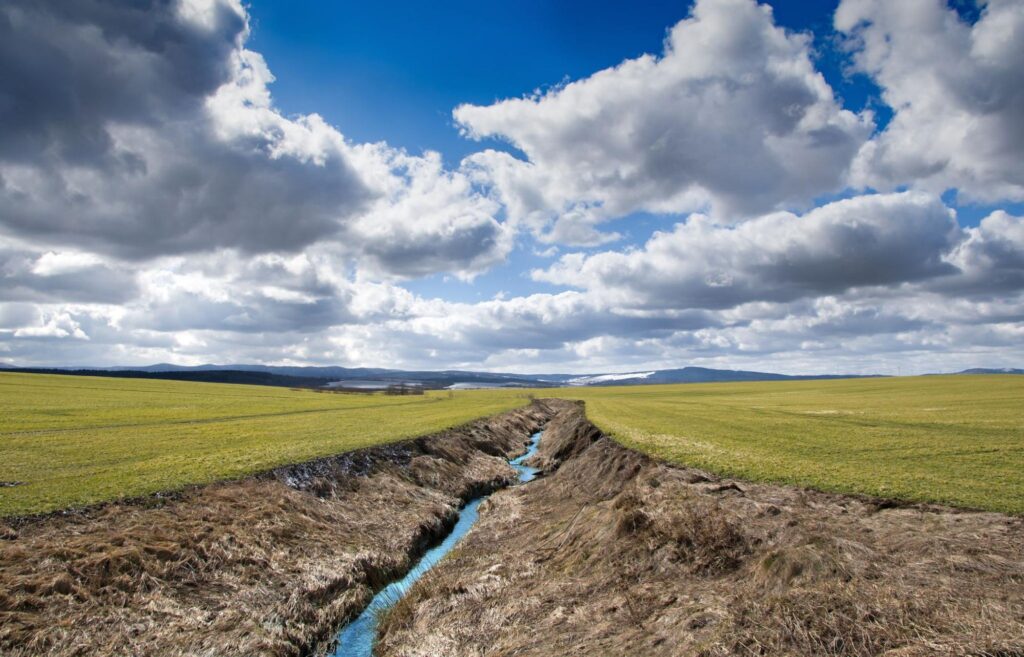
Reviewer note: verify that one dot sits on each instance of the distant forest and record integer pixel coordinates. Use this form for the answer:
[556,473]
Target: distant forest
[206,376]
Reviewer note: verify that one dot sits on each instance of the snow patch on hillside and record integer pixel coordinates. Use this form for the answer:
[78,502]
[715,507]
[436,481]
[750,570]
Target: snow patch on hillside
[606,378]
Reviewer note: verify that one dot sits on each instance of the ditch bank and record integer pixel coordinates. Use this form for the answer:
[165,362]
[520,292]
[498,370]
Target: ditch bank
[272,565]
[613,553]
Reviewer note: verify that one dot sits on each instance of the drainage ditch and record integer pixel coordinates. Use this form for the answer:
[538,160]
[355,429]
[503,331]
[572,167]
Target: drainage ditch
[358,637]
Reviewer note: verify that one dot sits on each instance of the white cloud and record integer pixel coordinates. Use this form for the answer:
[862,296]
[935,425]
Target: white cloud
[55,263]
[427,220]
[147,132]
[882,240]
[956,90]
[733,115]
[992,256]
[60,325]
[28,275]
[155,205]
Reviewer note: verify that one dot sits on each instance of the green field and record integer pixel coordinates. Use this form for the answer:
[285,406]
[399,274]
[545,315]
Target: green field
[953,439]
[76,440]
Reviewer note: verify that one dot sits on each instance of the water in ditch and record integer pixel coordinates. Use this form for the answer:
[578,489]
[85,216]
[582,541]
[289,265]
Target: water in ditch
[357,638]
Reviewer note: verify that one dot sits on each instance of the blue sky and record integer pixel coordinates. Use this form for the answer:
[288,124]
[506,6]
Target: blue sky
[394,72]
[532,186]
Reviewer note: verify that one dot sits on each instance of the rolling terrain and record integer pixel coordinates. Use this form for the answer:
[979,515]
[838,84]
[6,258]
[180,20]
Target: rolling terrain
[317,377]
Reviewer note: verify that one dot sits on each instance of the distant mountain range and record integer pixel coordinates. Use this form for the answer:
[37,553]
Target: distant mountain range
[370,377]
[375,377]
[297,377]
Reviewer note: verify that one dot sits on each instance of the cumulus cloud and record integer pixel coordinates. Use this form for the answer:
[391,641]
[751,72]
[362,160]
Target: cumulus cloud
[224,292]
[991,259]
[155,205]
[864,241]
[56,325]
[114,148]
[543,321]
[27,275]
[956,90]
[148,130]
[733,114]
[426,220]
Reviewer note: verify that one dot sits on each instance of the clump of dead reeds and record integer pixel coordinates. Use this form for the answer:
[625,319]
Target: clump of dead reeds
[704,536]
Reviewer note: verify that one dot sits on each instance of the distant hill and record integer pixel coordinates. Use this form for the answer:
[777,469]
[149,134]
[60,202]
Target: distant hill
[298,377]
[317,377]
[990,370]
[327,374]
[204,376]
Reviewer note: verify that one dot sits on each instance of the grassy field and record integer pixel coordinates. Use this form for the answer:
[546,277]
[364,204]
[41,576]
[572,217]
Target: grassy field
[953,439]
[75,440]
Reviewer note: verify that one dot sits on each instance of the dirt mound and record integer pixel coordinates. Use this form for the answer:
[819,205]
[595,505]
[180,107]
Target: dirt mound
[272,565]
[612,553]
[564,438]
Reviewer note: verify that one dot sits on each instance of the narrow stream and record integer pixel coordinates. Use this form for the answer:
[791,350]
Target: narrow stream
[357,638]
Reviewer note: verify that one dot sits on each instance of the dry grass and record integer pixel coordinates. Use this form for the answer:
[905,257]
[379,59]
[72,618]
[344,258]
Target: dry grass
[249,568]
[616,554]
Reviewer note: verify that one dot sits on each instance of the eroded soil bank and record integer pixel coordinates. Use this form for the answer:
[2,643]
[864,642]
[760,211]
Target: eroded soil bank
[272,565]
[612,553]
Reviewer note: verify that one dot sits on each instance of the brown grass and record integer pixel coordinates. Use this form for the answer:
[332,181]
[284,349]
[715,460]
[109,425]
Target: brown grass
[271,565]
[613,553]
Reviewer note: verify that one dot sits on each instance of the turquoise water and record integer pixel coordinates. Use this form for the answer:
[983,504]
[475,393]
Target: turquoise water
[526,473]
[356,639]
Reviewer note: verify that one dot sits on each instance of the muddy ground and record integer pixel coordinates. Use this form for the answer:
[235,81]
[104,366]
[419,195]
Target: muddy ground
[269,566]
[612,553]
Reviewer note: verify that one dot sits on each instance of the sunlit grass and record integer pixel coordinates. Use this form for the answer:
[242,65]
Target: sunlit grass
[70,440]
[952,439]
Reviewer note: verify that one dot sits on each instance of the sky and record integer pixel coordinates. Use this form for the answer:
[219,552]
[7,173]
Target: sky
[798,187]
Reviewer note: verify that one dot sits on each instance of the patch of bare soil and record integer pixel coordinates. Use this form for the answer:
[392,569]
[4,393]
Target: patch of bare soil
[613,553]
[272,565]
